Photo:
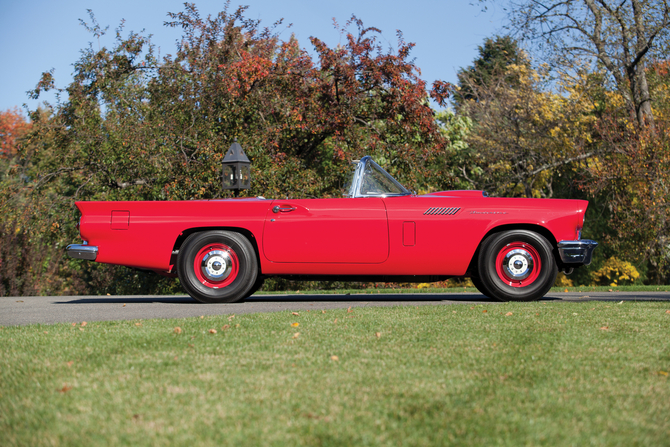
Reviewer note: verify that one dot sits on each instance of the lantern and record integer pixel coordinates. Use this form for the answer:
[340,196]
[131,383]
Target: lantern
[236,172]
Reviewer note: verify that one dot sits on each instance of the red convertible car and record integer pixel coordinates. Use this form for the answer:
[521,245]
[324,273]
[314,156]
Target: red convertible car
[222,250]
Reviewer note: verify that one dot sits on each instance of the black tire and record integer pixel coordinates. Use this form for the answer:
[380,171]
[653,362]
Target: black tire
[260,280]
[480,286]
[516,265]
[217,266]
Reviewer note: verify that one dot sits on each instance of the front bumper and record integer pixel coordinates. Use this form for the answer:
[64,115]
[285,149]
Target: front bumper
[576,252]
[77,251]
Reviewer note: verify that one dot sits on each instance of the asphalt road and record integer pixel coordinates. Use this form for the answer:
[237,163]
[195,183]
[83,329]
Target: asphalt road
[71,309]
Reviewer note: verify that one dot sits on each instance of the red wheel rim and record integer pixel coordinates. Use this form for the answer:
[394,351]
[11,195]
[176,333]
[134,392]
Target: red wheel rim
[216,265]
[518,264]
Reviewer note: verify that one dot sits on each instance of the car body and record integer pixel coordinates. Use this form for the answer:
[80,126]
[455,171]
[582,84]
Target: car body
[223,249]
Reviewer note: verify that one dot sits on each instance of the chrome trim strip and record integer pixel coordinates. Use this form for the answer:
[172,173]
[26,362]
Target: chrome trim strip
[576,252]
[81,251]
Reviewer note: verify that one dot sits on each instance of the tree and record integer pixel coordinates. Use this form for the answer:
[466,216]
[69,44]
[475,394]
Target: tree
[134,127]
[619,35]
[632,172]
[523,135]
[495,56]
[13,127]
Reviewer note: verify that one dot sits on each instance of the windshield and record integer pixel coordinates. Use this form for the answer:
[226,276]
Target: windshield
[371,180]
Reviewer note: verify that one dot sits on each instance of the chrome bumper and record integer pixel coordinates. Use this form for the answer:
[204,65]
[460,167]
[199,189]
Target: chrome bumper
[77,251]
[577,252]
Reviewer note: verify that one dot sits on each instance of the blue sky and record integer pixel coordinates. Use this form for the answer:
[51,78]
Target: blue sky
[38,35]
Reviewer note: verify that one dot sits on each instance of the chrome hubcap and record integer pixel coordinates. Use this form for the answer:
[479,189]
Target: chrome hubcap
[518,264]
[216,265]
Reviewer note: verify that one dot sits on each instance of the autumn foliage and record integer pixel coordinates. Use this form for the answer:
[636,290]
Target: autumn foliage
[13,126]
[136,127]
[133,125]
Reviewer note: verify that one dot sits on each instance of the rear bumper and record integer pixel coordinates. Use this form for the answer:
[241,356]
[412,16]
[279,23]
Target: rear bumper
[576,252]
[87,252]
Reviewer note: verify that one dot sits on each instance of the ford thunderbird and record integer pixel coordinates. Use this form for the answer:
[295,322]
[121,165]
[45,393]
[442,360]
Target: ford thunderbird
[222,250]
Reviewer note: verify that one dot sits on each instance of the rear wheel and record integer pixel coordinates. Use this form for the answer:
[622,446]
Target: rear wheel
[480,286]
[516,265]
[217,266]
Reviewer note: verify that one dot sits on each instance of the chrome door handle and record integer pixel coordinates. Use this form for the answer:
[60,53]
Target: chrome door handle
[283,209]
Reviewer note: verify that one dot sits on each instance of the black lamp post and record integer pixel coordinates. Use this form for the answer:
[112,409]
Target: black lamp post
[236,173]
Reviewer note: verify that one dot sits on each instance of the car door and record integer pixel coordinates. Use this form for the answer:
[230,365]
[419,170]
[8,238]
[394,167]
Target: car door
[327,231]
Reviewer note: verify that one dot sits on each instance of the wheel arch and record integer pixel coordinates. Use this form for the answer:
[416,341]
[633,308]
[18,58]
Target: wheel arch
[539,229]
[186,233]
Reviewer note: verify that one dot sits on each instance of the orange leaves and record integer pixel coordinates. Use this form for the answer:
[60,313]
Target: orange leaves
[240,76]
[295,324]
[65,389]
[177,330]
[509,314]
[334,358]
[13,126]
[212,331]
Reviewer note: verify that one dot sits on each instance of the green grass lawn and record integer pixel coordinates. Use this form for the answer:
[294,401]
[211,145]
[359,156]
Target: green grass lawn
[587,373]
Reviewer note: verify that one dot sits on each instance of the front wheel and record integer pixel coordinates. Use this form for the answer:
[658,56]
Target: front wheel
[517,265]
[217,266]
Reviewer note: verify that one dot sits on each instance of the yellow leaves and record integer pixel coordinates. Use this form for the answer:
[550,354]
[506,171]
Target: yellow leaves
[663,373]
[334,358]
[563,281]
[615,272]
[378,334]
[295,324]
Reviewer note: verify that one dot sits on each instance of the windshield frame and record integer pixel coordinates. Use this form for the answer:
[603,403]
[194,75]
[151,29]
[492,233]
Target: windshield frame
[359,178]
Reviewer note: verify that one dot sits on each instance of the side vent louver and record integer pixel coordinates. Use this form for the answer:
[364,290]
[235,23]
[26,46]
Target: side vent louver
[442,211]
